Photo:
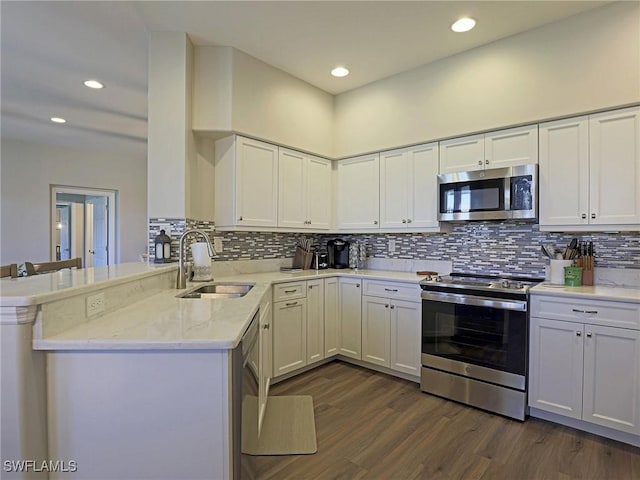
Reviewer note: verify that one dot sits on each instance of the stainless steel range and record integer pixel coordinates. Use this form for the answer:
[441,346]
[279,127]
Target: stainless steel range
[475,340]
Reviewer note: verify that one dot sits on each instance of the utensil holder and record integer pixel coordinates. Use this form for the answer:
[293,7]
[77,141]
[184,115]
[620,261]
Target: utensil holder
[302,259]
[573,276]
[556,270]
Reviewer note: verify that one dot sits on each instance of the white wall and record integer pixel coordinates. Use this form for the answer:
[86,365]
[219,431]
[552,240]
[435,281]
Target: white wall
[587,62]
[28,170]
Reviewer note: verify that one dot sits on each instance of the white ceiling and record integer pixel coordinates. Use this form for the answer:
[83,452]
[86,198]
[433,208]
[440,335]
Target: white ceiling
[49,48]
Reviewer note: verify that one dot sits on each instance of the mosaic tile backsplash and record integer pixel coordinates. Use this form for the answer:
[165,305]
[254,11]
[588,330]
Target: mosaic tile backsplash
[509,248]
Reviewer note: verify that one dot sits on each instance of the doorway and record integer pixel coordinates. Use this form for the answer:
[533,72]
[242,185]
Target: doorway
[83,225]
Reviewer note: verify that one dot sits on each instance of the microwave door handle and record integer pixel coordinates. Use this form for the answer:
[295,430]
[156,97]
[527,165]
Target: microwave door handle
[475,301]
[507,193]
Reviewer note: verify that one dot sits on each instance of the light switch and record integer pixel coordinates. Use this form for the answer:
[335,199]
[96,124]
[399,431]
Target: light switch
[217,244]
[392,246]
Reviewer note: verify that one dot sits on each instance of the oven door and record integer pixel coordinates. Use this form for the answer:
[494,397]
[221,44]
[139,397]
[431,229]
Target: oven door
[477,337]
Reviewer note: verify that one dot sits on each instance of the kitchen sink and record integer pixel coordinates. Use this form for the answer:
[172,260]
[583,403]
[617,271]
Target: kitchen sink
[219,290]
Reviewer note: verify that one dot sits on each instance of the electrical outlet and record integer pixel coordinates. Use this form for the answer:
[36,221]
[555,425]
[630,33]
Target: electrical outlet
[392,246]
[95,304]
[217,244]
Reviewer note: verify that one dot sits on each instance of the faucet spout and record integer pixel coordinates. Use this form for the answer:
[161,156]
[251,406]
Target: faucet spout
[181,282]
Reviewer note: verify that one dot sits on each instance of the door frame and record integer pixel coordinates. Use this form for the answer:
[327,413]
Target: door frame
[111,227]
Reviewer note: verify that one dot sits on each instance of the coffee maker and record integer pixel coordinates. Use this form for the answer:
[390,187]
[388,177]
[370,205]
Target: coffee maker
[338,251]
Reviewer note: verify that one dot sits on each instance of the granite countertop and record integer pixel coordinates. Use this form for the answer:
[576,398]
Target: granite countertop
[165,321]
[593,292]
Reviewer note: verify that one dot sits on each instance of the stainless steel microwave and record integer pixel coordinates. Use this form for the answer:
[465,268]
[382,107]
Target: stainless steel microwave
[492,194]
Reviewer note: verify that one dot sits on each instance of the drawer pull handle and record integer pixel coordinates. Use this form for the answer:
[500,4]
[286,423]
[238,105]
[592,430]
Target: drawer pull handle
[290,304]
[290,291]
[592,312]
[390,289]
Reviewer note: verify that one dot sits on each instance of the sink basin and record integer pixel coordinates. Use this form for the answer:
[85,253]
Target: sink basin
[219,290]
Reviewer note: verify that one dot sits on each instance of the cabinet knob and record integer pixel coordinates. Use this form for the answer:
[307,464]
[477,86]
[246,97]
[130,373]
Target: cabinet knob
[584,215]
[589,334]
[310,287]
[266,326]
[404,221]
[386,306]
[375,222]
[578,333]
[408,220]
[593,215]
[486,162]
[240,219]
[392,307]
[357,285]
[479,162]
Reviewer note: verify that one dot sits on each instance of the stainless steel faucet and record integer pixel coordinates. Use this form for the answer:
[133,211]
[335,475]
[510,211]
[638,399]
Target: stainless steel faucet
[182,274]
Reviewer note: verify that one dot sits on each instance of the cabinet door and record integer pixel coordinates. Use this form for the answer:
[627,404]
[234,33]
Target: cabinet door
[462,154]
[331,315]
[291,189]
[256,183]
[615,167]
[265,365]
[514,146]
[315,320]
[406,324]
[564,172]
[422,186]
[350,318]
[394,196]
[555,367]
[376,330]
[318,193]
[612,378]
[289,336]
[359,192]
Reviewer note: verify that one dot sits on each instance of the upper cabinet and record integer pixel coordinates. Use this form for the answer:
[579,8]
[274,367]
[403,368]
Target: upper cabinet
[408,187]
[358,192]
[503,148]
[590,172]
[246,183]
[304,191]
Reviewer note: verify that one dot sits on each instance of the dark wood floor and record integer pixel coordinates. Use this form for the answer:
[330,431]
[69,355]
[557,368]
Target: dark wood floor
[374,426]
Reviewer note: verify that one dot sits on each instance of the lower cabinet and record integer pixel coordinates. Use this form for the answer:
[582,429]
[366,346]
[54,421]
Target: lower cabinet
[289,335]
[265,365]
[331,314]
[350,317]
[315,320]
[585,371]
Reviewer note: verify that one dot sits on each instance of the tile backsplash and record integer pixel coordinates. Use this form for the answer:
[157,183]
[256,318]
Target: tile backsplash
[510,248]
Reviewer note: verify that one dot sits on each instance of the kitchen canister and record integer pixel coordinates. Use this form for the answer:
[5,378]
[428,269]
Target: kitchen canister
[201,262]
[556,270]
[573,276]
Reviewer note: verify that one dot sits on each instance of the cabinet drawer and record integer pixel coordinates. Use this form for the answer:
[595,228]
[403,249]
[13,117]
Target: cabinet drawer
[288,291]
[405,291]
[594,312]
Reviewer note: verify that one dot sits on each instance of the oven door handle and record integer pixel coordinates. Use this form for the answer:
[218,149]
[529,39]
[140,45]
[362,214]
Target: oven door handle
[475,300]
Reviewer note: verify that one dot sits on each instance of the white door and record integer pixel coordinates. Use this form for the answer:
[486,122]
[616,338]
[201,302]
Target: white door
[97,230]
[63,231]
[318,193]
[376,330]
[564,172]
[350,318]
[256,183]
[394,173]
[291,189]
[289,336]
[422,186]
[555,366]
[615,167]
[511,147]
[612,378]
[315,320]
[331,314]
[462,154]
[359,192]
[405,327]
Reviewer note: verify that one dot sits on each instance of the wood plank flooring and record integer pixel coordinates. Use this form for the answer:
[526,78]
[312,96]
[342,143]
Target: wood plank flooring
[373,426]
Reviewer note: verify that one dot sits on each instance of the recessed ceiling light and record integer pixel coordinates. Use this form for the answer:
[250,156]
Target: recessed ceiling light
[58,120]
[340,72]
[463,25]
[93,84]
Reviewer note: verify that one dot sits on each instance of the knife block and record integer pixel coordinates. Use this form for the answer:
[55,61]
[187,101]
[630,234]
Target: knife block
[302,259]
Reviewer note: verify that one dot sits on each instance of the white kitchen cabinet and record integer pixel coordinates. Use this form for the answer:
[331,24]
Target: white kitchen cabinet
[246,183]
[350,317]
[582,368]
[289,336]
[315,320]
[376,330]
[265,366]
[358,192]
[406,335]
[331,315]
[590,172]
[304,190]
[502,148]
[408,187]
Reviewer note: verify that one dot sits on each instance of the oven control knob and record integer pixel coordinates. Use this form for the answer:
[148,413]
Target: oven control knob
[506,284]
[520,285]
